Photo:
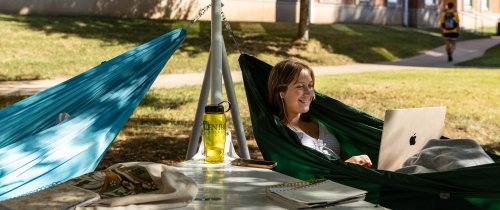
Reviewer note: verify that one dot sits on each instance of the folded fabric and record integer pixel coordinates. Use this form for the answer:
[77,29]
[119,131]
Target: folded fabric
[444,155]
[139,185]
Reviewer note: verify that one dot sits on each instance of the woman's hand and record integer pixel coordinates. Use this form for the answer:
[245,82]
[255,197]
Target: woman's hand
[363,160]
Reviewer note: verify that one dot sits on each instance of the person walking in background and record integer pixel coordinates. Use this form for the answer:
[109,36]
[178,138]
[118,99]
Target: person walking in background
[450,23]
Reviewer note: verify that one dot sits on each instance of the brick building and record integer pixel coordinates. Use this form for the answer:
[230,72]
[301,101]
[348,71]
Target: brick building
[476,14]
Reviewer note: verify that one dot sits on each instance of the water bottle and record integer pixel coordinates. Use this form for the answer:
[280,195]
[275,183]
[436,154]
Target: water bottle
[214,133]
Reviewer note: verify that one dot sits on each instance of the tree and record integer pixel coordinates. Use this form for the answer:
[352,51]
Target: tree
[304,20]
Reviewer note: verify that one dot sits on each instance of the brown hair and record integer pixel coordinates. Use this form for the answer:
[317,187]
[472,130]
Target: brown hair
[283,74]
[451,5]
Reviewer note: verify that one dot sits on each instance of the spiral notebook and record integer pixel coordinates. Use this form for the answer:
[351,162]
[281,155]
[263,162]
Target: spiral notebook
[317,193]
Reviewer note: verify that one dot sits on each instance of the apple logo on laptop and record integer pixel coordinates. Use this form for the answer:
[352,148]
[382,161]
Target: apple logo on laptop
[413,139]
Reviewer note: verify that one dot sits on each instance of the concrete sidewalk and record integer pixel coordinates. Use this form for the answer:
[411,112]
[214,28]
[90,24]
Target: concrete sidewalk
[466,50]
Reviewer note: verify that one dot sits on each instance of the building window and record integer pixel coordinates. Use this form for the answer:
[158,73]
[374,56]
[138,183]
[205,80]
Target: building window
[331,1]
[430,2]
[366,2]
[393,3]
[468,4]
[485,5]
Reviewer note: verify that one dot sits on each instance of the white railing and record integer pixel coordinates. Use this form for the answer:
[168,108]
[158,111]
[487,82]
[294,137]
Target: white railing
[477,22]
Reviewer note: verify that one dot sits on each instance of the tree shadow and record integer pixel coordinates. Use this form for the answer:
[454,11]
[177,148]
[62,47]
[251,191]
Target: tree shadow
[359,42]
[154,101]
[116,31]
[9,100]
[131,8]
[351,40]
[160,140]
[254,38]
[145,140]
[264,38]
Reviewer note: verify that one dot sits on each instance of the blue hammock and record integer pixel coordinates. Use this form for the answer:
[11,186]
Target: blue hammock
[63,132]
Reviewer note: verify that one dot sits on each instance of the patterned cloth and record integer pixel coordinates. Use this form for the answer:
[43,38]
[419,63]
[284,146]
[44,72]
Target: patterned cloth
[139,185]
[117,182]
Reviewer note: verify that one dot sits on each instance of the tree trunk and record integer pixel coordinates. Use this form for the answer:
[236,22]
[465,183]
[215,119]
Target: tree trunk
[304,20]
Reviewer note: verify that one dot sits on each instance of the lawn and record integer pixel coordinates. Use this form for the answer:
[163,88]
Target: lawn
[160,127]
[50,47]
[491,58]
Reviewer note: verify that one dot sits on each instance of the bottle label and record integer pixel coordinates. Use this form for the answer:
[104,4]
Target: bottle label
[213,127]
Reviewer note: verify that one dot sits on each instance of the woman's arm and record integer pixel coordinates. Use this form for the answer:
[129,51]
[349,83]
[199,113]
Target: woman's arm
[363,160]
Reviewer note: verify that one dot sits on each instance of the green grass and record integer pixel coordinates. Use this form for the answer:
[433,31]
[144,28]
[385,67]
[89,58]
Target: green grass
[491,58]
[50,47]
[492,30]
[470,95]
[159,129]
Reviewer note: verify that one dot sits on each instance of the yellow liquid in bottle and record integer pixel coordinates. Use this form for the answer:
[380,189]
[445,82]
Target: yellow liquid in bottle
[214,135]
[214,154]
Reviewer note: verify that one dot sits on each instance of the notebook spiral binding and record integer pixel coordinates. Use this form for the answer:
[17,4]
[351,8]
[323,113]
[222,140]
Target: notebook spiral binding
[296,185]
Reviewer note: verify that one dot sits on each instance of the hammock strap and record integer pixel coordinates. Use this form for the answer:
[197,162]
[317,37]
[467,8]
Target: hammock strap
[202,11]
[231,33]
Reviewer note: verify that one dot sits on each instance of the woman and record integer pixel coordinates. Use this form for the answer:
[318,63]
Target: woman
[291,91]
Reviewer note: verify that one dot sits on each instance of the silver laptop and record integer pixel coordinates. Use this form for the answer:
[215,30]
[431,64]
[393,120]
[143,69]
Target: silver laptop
[406,131]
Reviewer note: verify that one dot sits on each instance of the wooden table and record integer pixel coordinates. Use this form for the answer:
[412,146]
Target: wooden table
[223,186]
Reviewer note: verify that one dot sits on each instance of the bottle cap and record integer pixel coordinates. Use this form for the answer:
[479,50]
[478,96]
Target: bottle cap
[212,108]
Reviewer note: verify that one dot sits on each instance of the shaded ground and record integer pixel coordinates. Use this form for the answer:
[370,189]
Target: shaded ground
[167,151]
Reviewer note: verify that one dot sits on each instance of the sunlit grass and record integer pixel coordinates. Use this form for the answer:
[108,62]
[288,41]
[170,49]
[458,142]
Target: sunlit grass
[472,97]
[49,47]
[491,58]
[160,127]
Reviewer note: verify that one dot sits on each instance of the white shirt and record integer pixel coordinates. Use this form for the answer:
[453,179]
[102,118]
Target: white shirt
[326,143]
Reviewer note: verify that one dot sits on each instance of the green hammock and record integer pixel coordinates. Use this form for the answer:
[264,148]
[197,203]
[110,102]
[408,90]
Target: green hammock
[360,133]
[64,131]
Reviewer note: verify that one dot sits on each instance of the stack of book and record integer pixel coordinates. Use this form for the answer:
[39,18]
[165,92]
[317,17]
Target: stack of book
[313,194]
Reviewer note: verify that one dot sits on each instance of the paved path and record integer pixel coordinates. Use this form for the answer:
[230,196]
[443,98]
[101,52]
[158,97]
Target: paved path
[466,50]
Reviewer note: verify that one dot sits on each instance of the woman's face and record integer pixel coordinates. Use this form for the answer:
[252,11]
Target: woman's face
[299,94]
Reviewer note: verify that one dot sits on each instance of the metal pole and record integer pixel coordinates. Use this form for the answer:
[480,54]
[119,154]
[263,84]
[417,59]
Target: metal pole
[405,13]
[213,81]
[235,111]
[216,53]
[194,141]
[311,11]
